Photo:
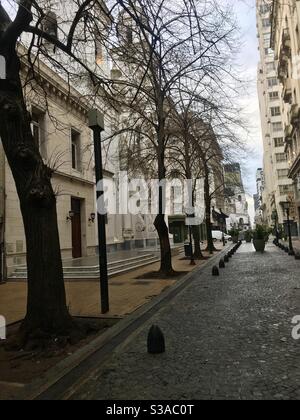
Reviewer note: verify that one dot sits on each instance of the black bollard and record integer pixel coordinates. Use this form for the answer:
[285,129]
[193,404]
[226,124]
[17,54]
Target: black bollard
[215,271]
[156,341]
[222,264]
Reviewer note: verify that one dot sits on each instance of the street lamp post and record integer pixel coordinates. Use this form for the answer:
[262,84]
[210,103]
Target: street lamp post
[96,123]
[287,209]
[191,246]
[275,219]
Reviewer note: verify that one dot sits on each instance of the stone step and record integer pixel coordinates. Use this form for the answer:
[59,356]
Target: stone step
[116,268]
[111,265]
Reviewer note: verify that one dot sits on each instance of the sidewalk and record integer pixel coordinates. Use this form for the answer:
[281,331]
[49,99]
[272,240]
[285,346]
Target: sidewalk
[127,293]
[227,337]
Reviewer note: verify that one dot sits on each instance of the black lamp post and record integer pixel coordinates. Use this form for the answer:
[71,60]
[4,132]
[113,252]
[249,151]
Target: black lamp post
[275,219]
[191,246]
[286,207]
[96,123]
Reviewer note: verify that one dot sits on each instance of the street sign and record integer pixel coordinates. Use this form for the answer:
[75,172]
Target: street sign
[2,328]
[193,221]
[2,68]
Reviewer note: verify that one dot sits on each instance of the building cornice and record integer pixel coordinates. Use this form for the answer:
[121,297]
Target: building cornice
[73,178]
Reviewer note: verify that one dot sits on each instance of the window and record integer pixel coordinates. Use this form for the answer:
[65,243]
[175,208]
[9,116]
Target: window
[266,22]
[267,39]
[99,52]
[50,24]
[265,8]
[268,51]
[281,157]
[273,96]
[277,127]
[272,82]
[282,173]
[278,142]
[270,66]
[129,35]
[286,189]
[275,111]
[38,129]
[75,150]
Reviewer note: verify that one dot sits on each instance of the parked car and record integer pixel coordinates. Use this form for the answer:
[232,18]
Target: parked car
[218,236]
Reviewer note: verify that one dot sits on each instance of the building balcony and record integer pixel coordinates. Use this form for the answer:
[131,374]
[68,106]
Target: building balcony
[295,166]
[295,115]
[283,63]
[287,92]
[286,39]
[288,131]
[282,73]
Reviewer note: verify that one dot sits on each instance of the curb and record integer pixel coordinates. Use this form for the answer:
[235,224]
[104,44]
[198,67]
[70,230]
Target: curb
[57,380]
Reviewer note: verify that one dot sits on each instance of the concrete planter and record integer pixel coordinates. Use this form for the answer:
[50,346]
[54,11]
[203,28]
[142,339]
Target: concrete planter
[235,239]
[259,245]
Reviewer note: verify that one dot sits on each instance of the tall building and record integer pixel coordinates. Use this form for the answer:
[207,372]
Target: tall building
[285,42]
[277,184]
[258,196]
[236,202]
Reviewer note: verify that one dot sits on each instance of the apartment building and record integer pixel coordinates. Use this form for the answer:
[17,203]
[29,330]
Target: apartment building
[258,196]
[277,184]
[285,41]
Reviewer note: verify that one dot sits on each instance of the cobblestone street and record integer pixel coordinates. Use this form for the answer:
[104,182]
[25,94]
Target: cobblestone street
[227,337]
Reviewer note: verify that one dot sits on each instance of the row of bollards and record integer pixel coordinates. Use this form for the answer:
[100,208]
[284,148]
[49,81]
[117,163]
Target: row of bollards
[156,340]
[286,249]
[225,260]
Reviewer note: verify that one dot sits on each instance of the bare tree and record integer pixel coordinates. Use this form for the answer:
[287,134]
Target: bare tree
[146,39]
[156,45]
[46,306]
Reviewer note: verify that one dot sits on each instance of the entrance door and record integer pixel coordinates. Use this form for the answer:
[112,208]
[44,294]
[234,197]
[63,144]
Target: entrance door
[177,234]
[76,228]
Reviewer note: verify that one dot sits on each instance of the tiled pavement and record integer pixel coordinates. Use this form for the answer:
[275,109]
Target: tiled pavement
[127,293]
[227,337]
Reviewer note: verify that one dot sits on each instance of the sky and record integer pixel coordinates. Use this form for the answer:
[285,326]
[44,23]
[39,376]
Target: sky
[248,59]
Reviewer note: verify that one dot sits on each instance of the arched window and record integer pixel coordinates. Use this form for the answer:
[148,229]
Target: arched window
[50,25]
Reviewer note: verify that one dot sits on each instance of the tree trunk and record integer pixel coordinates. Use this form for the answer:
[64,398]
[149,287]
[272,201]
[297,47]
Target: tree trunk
[210,243]
[197,240]
[46,306]
[166,268]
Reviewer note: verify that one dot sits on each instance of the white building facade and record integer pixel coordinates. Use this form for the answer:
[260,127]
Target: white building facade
[285,41]
[277,184]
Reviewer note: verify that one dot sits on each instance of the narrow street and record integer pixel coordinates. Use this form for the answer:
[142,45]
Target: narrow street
[227,337]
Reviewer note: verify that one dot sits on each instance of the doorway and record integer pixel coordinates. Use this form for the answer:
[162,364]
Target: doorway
[76,228]
[178,229]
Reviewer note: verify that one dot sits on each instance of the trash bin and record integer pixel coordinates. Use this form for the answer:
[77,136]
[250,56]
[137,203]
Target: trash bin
[188,250]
